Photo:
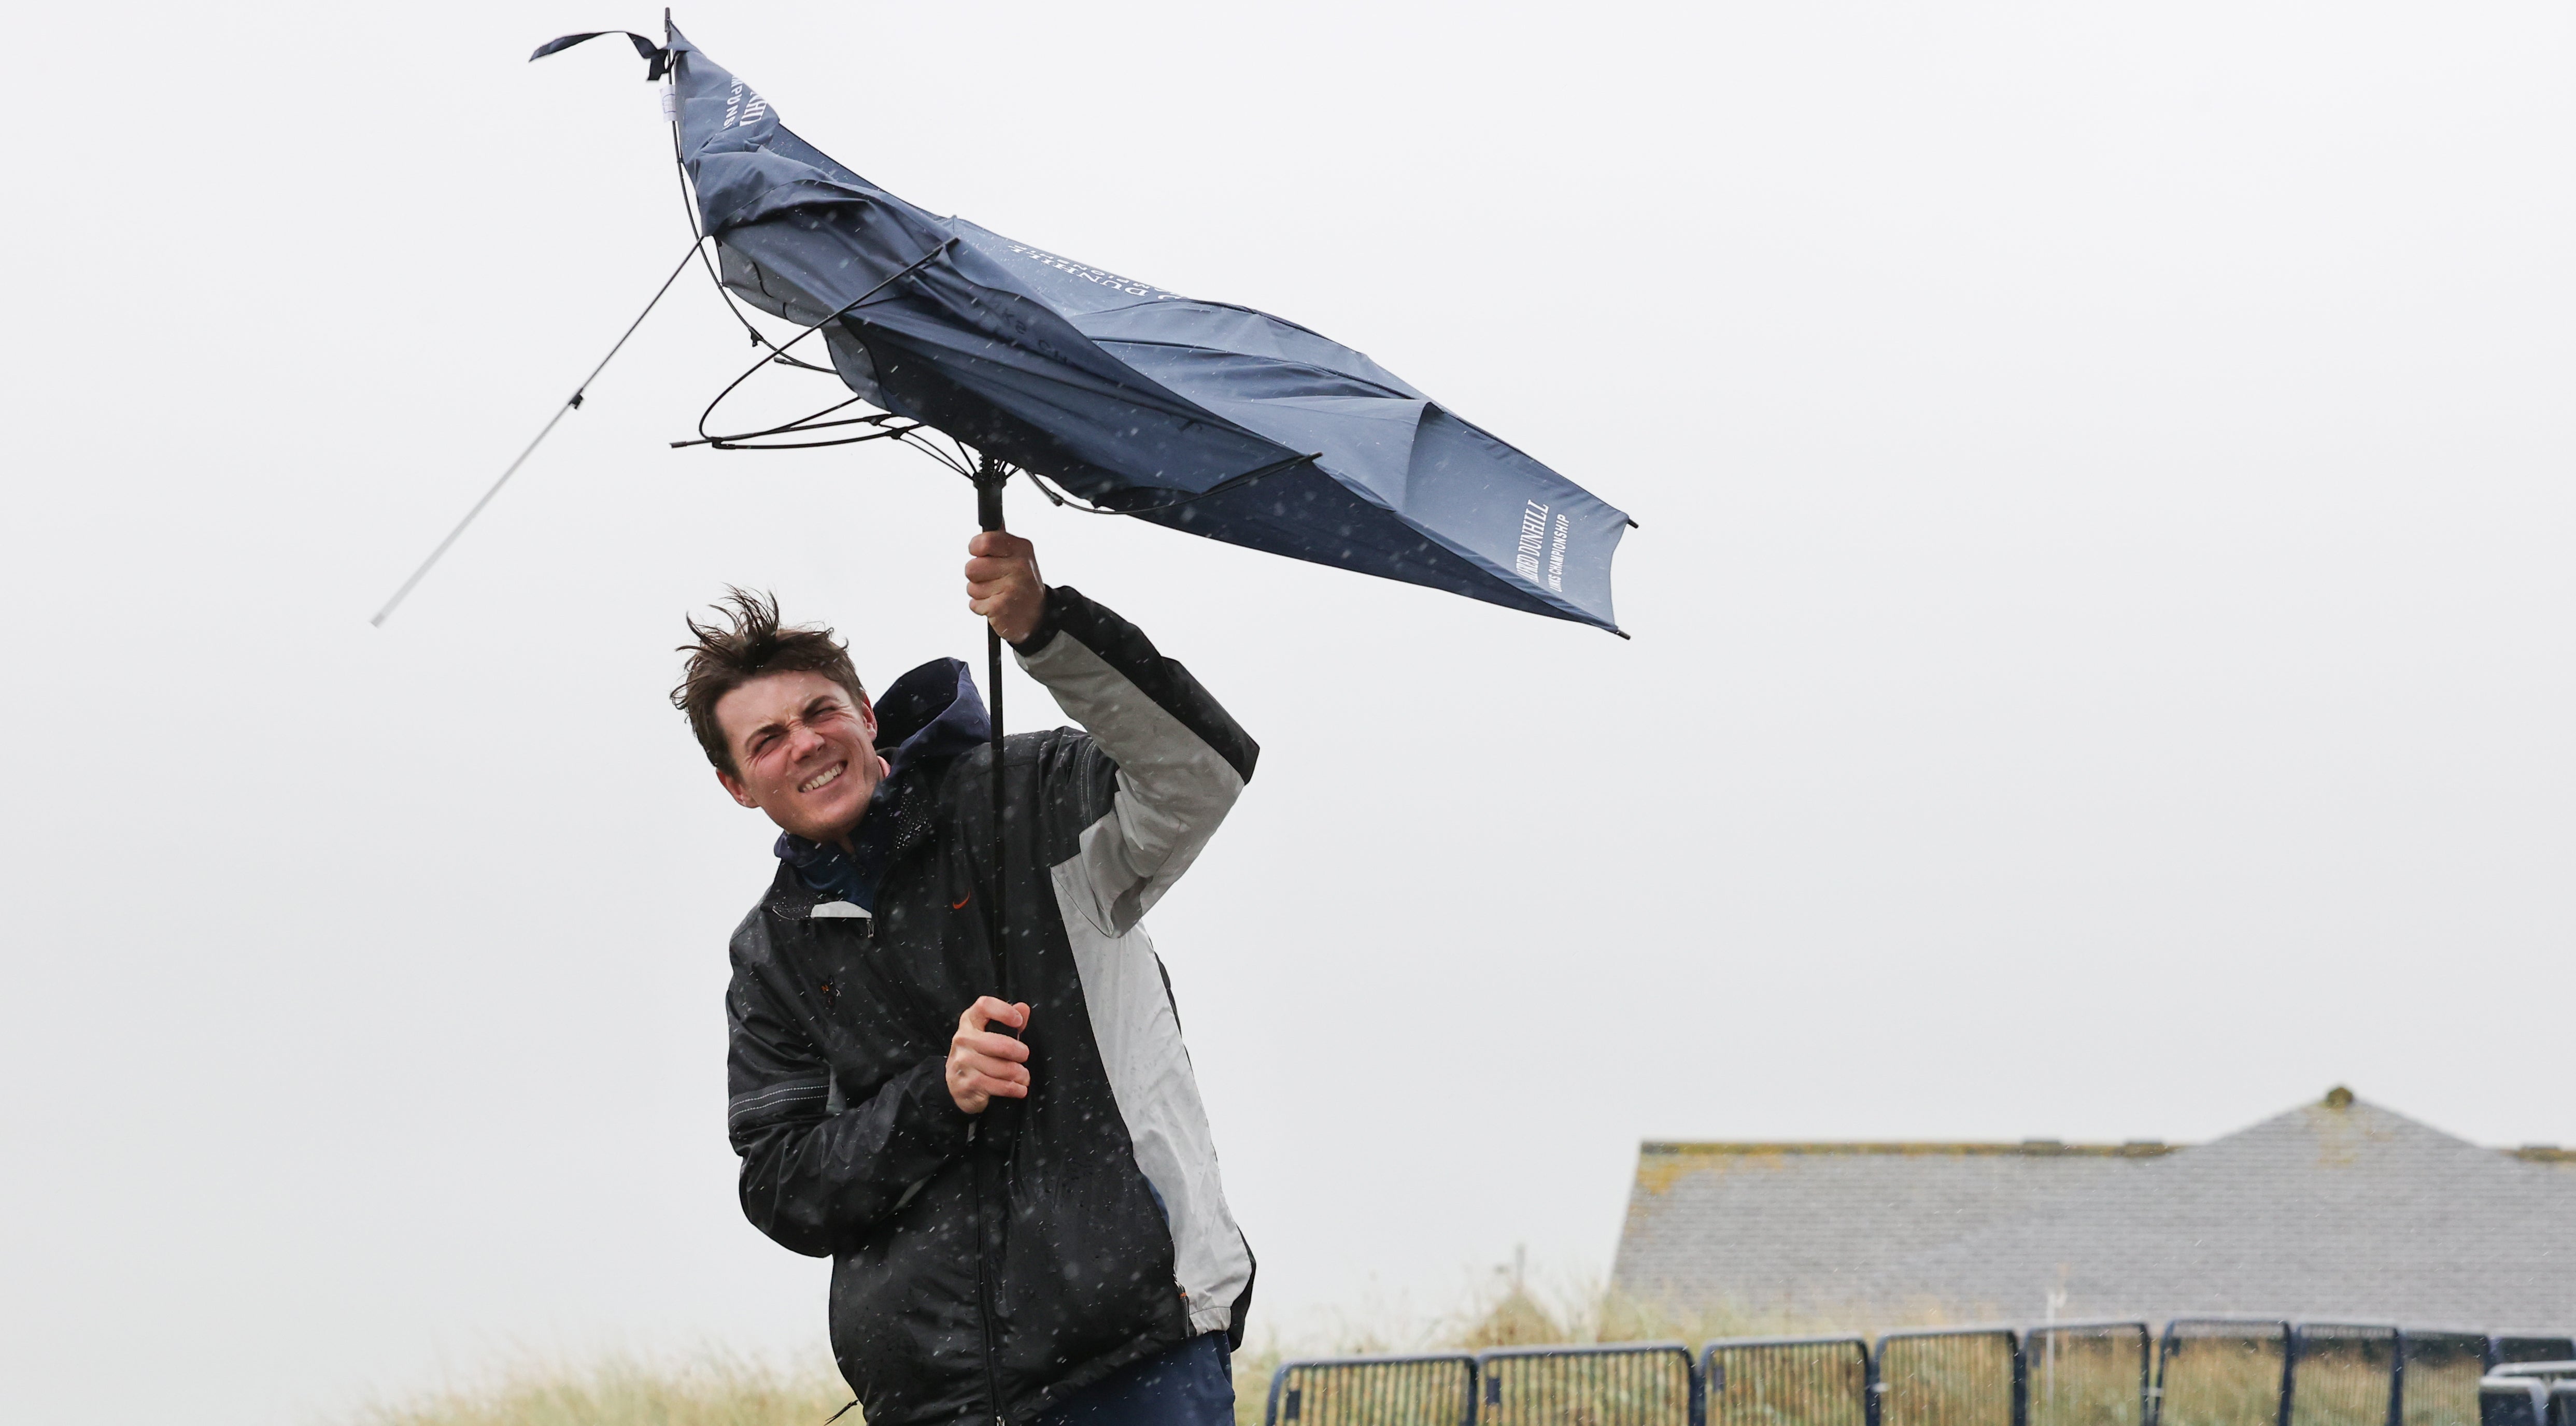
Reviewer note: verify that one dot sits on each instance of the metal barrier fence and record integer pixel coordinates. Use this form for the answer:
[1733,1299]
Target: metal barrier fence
[2217,1371]
[2513,1401]
[2343,1375]
[1438,1389]
[2437,1377]
[1950,1378]
[2528,1394]
[2509,1348]
[1623,1384]
[2088,1374]
[1786,1381]
[2201,1372]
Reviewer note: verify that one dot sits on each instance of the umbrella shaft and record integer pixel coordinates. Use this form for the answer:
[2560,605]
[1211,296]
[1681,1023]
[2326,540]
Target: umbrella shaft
[993,680]
[989,475]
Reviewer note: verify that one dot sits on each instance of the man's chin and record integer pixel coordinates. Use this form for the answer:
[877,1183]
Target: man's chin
[829,823]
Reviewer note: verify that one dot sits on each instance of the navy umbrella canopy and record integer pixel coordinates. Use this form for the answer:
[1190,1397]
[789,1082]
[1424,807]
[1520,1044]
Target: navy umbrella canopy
[1133,400]
[1210,418]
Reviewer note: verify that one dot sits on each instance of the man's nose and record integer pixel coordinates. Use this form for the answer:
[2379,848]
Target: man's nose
[803,740]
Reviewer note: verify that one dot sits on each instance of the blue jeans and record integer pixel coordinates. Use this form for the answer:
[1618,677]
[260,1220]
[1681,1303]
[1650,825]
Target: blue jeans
[1190,1385]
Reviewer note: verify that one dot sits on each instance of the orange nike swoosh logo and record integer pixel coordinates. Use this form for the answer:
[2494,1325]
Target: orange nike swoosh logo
[960,902]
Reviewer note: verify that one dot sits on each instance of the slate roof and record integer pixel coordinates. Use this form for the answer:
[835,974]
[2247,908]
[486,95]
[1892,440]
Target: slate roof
[2339,1210]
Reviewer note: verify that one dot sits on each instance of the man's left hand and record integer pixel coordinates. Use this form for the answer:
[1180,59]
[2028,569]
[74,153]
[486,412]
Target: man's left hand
[1002,584]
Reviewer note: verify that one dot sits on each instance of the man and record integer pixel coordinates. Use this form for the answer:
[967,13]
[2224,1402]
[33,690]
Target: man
[997,1139]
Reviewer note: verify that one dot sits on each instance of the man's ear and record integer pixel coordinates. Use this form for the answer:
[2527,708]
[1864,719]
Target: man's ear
[868,717]
[734,786]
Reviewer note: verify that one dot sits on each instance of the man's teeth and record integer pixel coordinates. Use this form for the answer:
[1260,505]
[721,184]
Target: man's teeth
[823,779]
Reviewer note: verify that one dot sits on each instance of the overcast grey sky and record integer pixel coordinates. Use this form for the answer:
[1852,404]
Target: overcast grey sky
[2101,663]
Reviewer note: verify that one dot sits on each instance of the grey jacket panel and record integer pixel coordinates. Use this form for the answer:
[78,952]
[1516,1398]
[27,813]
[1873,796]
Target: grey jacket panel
[1173,786]
[1175,783]
[1139,1034]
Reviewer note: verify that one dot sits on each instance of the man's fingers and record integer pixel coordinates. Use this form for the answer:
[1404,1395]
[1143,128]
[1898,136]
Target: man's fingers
[986,1043]
[990,588]
[993,1074]
[996,1079]
[995,1046]
[999,557]
[988,1080]
[1003,584]
[999,1072]
[984,1065]
[999,544]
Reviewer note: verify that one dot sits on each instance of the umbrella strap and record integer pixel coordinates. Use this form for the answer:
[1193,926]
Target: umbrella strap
[657,60]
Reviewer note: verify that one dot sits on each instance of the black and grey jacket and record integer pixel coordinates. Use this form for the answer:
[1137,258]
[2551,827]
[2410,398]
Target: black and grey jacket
[987,1266]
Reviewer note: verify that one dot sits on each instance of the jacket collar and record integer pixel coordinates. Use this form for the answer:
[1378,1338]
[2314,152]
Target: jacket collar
[925,720]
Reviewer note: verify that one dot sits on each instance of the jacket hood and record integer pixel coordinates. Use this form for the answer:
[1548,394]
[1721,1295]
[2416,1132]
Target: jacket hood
[933,713]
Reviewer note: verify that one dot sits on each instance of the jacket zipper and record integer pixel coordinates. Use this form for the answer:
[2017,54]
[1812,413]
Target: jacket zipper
[984,1301]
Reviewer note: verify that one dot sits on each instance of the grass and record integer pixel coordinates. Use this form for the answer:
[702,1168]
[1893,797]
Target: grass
[715,1388]
[711,1389]
[2218,1383]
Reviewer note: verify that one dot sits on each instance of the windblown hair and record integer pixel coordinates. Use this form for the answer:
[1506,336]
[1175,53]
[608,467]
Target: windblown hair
[751,643]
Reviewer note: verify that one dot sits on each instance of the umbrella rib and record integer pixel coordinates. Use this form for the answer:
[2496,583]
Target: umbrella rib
[573,404]
[1232,482]
[689,205]
[910,436]
[1376,390]
[898,274]
[810,422]
[818,445]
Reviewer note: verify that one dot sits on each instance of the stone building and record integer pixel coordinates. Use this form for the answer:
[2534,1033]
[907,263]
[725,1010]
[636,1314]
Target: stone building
[2338,1210]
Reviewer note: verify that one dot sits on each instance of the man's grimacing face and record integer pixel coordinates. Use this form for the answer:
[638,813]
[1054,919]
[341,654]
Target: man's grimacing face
[803,751]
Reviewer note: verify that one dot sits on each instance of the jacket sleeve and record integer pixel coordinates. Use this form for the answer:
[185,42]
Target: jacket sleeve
[1179,759]
[813,1179]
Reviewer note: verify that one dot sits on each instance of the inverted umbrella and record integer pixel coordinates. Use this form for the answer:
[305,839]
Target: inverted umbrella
[1202,416]
[1112,394]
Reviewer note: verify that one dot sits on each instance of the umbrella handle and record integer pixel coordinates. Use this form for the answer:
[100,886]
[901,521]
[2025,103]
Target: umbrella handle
[988,493]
